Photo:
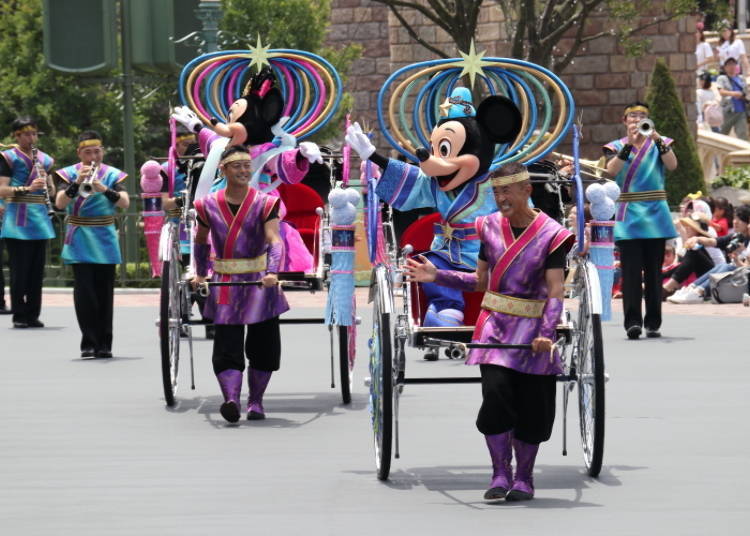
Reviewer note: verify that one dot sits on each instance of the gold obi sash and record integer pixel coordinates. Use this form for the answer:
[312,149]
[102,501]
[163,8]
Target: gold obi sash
[648,195]
[509,305]
[94,221]
[174,212]
[240,266]
[36,199]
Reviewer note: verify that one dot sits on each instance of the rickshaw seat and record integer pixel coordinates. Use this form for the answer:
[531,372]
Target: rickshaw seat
[301,201]
[420,234]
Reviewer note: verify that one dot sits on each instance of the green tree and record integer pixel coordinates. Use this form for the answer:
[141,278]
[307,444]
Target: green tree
[668,113]
[535,27]
[295,24]
[64,104]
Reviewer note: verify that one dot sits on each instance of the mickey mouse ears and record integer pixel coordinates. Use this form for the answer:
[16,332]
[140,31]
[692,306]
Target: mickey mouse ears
[532,113]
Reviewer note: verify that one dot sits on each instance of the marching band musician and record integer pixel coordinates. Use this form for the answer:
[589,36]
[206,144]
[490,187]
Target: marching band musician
[26,224]
[520,268]
[92,192]
[244,229]
[643,222]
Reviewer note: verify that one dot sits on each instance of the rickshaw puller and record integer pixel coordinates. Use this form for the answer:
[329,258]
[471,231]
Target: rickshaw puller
[244,227]
[520,268]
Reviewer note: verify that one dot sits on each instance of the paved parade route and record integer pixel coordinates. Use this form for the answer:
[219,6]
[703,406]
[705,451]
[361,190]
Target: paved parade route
[88,447]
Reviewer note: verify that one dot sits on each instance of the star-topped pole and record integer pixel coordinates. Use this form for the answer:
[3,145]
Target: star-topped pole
[259,55]
[471,64]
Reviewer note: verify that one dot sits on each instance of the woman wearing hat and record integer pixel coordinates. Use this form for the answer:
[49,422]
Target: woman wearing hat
[696,260]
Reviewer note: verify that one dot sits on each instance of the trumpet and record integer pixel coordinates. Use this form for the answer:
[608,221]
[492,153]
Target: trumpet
[87,188]
[40,172]
[646,127]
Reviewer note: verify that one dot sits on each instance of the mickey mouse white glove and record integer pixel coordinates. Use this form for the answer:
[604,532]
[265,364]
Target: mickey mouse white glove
[187,118]
[358,140]
[310,151]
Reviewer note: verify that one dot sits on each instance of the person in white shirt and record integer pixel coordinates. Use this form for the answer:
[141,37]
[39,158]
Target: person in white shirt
[705,57]
[731,47]
[706,96]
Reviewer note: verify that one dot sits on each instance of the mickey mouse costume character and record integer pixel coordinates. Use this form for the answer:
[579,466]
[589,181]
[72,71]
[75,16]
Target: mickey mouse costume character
[452,177]
[255,122]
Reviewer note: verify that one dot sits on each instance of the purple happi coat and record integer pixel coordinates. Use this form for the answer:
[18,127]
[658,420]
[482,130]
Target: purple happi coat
[516,270]
[240,236]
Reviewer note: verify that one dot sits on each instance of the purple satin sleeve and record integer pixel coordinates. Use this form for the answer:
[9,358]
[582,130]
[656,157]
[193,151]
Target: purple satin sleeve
[274,257]
[466,281]
[201,253]
[551,318]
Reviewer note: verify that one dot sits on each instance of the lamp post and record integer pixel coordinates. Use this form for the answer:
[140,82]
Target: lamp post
[209,13]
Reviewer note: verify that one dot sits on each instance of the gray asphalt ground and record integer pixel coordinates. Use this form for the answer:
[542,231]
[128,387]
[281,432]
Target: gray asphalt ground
[88,447]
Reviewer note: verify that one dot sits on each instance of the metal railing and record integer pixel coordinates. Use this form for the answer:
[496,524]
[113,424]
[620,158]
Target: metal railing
[134,271]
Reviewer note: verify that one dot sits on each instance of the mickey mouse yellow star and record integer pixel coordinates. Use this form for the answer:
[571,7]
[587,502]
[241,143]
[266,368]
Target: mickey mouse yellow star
[471,64]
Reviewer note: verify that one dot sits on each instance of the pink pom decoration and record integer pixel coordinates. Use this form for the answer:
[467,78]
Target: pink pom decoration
[151,181]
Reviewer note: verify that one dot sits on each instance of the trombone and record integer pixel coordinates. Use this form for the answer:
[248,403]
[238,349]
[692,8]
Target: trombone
[593,168]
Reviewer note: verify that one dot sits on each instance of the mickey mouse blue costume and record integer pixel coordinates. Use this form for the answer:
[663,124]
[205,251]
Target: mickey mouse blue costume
[453,178]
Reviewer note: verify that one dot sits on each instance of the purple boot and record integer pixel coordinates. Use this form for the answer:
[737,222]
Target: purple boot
[502,473]
[230,381]
[257,381]
[523,483]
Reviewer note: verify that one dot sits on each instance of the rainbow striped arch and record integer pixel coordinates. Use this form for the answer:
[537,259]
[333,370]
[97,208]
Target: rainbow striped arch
[311,87]
[545,102]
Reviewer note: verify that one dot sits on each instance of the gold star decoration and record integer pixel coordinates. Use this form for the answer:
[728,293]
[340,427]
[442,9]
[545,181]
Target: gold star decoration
[259,55]
[445,108]
[471,63]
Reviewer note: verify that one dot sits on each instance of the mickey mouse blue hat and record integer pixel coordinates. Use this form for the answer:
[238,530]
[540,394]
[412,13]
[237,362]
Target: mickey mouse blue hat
[458,105]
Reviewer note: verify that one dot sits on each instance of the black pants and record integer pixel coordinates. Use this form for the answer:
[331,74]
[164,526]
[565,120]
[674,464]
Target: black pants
[695,261]
[93,296]
[512,400]
[262,346]
[640,261]
[2,275]
[26,261]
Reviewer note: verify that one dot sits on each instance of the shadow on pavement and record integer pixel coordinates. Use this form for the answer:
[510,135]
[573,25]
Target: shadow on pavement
[448,480]
[310,407]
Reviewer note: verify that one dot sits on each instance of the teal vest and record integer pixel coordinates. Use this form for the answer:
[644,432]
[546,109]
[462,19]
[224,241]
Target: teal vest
[96,244]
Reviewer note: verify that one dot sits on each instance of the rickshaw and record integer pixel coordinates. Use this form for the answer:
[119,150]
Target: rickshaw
[399,306]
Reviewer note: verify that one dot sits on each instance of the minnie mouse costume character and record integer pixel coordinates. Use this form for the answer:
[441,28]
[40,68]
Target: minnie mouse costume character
[452,176]
[255,122]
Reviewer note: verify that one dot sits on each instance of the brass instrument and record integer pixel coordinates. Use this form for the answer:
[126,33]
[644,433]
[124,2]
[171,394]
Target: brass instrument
[40,172]
[87,188]
[593,168]
[646,127]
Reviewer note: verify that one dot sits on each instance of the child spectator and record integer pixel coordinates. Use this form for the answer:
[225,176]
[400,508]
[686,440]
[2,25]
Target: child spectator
[723,215]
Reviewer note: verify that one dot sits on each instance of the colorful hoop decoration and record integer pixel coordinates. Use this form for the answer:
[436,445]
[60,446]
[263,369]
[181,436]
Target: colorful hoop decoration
[311,87]
[539,94]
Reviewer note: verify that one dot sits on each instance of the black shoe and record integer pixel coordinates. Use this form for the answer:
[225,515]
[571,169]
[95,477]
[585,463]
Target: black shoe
[35,324]
[230,411]
[4,310]
[20,325]
[103,353]
[255,416]
[430,355]
[210,332]
[653,333]
[495,494]
[88,352]
[633,332]
[515,495]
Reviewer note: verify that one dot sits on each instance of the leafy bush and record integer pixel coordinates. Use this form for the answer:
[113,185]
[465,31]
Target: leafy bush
[734,177]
